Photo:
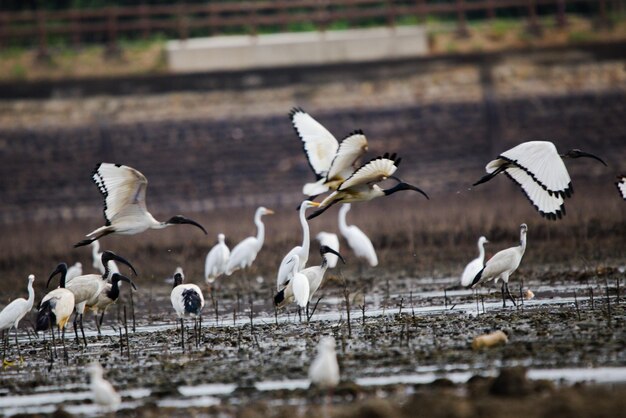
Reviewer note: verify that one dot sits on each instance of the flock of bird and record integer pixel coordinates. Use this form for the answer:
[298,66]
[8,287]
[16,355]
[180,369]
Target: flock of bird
[536,167]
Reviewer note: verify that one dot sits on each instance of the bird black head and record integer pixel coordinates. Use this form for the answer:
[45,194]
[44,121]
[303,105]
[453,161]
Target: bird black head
[179,219]
[279,297]
[576,153]
[108,256]
[117,277]
[404,186]
[61,268]
[178,279]
[324,249]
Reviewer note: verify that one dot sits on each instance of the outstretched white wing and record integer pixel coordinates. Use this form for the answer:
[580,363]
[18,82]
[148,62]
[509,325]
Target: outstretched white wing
[123,189]
[376,170]
[320,146]
[350,150]
[549,205]
[543,164]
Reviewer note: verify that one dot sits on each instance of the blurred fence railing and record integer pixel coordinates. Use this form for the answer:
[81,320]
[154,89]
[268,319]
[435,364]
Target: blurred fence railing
[184,20]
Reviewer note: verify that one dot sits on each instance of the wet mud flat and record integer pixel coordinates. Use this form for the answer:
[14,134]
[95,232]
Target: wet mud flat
[406,353]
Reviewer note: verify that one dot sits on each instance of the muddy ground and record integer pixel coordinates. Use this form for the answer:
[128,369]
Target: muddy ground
[410,355]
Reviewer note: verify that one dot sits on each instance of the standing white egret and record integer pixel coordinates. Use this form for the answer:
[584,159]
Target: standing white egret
[74,271]
[13,313]
[86,288]
[324,371]
[538,168]
[361,186]
[332,241]
[102,392]
[302,251]
[314,275]
[299,282]
[476,265]
[216,260]
[244,253]
[125,212]
[502,265]
[621,185]
[357,240]
[331,162]
[187,300]
[107,296]
[97,259]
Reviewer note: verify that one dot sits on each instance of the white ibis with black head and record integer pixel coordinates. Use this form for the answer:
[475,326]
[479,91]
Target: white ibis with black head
[244,253]
[538,168]
[107,296]
[187,300]
[324,370]
[102,392]
[330,240]
[97,259]
[502,265]
[357,240]
[314,276]
[87,288]
[55,308]
[621,185]
[302,251]
[125,212]
[473,267]
[361,186]
[216,260]
[331,162]
[13,313]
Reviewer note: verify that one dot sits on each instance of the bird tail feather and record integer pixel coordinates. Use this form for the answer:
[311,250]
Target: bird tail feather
[45,317]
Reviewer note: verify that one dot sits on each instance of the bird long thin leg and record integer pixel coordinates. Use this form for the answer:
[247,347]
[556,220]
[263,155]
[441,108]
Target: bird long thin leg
[182,333]
[503,297]
[4,347]
[98,325]
[19,351]
[509,294]
[82,331]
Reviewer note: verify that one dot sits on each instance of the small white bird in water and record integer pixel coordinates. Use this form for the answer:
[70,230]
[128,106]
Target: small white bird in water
[502,265]
[476,265]
[102,391]
[324,371]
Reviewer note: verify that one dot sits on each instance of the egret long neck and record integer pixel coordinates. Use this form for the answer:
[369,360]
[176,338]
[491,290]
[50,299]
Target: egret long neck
[31,294]
[523,242]
[481,250]
[95,249]
[306,240]
[260,229]
[343,225]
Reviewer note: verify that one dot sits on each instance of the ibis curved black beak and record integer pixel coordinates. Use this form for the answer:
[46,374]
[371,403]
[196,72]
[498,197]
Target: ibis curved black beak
[61,268]
[117,276]
[589,155]
[108,256]
[326,249]
[179,220]
[417,189]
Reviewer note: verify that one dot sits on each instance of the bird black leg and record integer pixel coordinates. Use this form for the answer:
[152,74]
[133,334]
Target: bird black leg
[509,294]
[19,351]
[82,331]
[182,334]
[503,297]
[98,325]
[4,347]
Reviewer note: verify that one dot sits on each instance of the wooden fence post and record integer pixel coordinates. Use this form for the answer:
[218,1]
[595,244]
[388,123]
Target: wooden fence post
[533,25]
[112,50]
[322,16]
[421,11]
[181,19]
[75,29]
[603,21]
[491,10]
[144,20]
[461,30]
[391,14]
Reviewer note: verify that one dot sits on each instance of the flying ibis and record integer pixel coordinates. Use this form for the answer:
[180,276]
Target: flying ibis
[125,212]
[538,168]
[331,162]
[361,186]
[502,265]
[13,313]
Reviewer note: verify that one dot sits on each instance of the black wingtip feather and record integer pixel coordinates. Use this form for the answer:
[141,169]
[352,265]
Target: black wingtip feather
[476,278]
[45,317]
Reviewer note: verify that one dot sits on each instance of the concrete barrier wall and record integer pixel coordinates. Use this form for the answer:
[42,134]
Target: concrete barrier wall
[293,49]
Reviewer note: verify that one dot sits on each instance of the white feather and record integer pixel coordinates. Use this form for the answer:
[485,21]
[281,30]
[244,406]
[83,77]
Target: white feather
[474,266]
[332,241]
[319,144]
